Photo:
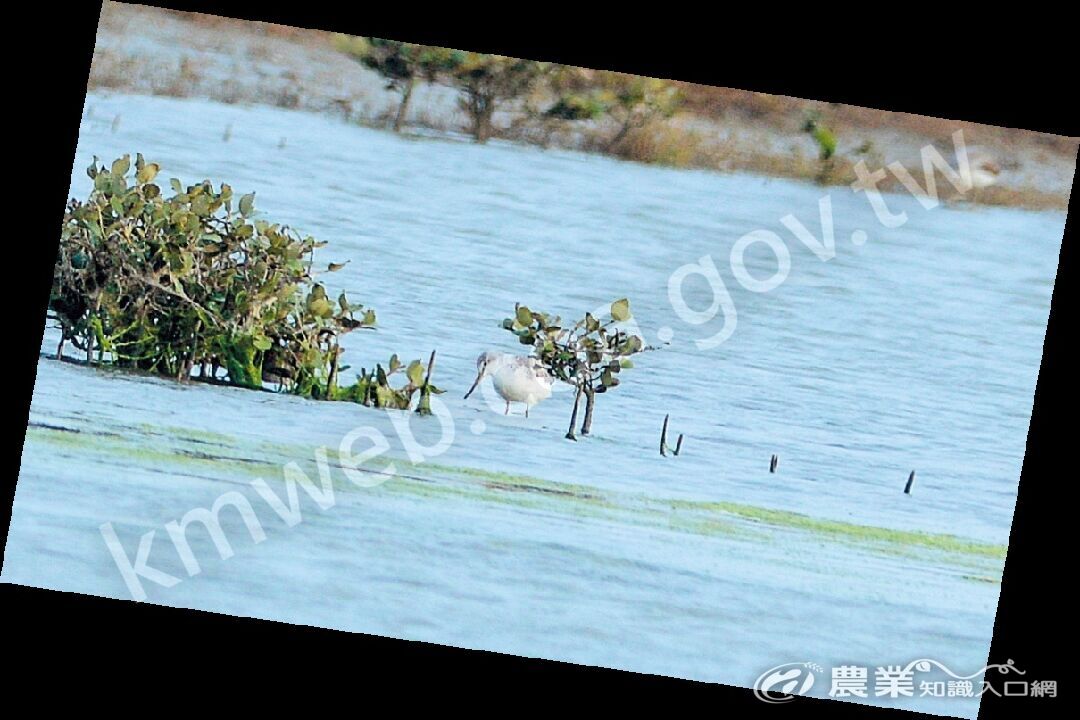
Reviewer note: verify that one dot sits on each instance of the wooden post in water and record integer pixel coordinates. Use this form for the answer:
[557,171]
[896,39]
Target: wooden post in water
[664,447]
[910,481]
[773,462]
[423,407]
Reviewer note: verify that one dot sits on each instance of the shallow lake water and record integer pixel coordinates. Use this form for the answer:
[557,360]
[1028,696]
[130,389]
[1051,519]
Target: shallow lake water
[916,350]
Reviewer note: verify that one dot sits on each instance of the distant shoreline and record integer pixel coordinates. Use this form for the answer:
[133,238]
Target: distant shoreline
[180,55]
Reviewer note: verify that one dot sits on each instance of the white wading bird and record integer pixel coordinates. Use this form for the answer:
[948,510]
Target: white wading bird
[516,378]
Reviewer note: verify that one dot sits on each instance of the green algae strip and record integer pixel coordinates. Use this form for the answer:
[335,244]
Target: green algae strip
[519,483]
[711,515]
[111,443]
[840,529]
[434,480]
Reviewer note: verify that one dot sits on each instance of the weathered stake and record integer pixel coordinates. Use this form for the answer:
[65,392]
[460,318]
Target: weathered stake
[773,462]
[664,447]
[423,407]
[910,481]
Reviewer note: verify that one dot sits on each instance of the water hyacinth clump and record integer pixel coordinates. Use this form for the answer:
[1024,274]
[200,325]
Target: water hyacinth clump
[588,355]
[374,388]
[191,282]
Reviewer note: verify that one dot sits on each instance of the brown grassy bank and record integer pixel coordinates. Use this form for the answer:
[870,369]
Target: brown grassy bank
[163,52]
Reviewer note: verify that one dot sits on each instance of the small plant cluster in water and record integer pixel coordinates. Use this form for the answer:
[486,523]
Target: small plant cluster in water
[588,355]
[191,282]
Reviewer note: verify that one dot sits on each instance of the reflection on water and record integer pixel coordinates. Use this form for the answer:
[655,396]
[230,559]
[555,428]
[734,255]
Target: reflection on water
[917,350]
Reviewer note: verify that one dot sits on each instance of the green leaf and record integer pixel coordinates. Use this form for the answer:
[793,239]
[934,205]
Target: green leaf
[247,204]
[508,324]
[334,267]
[524,315]
[102,181]
[386,397]
[321,308]
[147,173]
[632,345]
[262,342]
[176,186]
[200,205]
[395,363]
[620,310]
[415,373]
[625,364]
[120,166]
[117,184]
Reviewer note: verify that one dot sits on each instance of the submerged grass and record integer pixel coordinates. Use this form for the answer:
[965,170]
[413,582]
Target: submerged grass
[466,483]
[117,444]
[983,579]
[520,483]
[839,529]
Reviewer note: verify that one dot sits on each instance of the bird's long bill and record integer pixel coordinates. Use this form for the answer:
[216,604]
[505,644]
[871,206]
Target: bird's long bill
[476,382]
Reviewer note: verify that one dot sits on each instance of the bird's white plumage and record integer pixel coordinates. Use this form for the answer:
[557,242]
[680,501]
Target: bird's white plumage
[516,378]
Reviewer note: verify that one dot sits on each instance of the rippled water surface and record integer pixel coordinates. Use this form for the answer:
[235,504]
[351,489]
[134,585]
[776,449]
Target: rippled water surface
[918,350]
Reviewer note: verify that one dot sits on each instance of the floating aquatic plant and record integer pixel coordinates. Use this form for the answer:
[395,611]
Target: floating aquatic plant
[171,284]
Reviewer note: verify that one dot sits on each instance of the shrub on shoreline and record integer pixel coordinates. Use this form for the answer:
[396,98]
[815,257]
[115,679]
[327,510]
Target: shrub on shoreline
[191,281]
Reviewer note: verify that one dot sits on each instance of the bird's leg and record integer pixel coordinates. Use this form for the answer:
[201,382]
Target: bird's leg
[507,412]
